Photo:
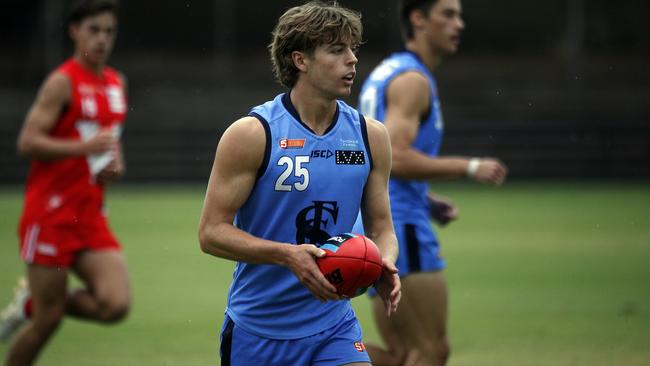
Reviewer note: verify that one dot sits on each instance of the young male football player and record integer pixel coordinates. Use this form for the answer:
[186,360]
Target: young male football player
[270,202]
[71,134]
[402,93]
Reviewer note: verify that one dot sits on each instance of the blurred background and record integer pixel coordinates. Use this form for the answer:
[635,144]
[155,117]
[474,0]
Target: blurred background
[557,89]
[551,269]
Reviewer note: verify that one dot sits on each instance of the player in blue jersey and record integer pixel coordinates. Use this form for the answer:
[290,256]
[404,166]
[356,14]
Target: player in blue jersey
[292,173]
[402,93]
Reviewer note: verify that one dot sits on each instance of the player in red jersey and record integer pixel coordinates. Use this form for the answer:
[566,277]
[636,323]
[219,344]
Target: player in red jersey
[71,134]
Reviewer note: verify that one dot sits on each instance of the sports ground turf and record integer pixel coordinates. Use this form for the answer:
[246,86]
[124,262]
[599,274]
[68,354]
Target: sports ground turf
[548,273]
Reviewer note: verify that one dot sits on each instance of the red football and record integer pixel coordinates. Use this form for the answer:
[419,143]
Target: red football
[352,263]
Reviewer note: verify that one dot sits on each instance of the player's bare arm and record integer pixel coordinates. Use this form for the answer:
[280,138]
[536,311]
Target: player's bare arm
[34,140]
[377,219]
[408,101]
[239,156]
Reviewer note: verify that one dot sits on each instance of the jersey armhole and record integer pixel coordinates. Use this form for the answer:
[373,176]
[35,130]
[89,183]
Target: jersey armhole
[364,133]
[267,148]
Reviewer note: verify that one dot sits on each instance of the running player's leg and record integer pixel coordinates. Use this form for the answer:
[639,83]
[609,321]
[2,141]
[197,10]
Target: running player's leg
[48,295]
[395,351]
[417,331]
[106,297]
[427,319]
[416,334]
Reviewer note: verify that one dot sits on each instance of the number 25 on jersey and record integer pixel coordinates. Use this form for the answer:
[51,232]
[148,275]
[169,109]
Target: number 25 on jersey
[296,169]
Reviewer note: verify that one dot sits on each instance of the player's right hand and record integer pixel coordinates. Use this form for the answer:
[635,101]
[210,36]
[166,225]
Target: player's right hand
[491,171]
[103,141]
[302,262]
[389,286]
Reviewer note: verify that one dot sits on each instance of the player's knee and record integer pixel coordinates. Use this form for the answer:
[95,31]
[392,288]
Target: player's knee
[444,350]
[114,310]
[437,351]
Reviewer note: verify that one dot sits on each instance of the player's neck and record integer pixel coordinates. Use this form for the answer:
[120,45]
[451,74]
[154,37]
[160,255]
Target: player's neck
[95,68]
[427,54]
[314,110]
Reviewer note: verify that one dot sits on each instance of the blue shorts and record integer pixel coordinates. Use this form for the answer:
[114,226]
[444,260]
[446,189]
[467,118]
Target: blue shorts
[338,345]
[419,250]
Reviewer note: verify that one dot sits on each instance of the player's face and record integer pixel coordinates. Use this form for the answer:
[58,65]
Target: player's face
[332,69]
[94,37]
[444,25]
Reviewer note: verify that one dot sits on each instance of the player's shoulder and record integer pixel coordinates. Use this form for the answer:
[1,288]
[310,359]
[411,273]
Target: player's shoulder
[243,144]
[379,142]
[410,91]
[57,84]
[246,130]
[413,81]
[377,132]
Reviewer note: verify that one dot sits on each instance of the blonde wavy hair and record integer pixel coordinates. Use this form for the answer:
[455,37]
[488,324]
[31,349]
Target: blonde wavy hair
[304,28]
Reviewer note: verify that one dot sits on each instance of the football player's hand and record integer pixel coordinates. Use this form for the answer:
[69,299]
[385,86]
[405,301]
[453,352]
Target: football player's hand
[302,262]
[103,141]
[441,209]
[389,287]
[112,172]
[491,171]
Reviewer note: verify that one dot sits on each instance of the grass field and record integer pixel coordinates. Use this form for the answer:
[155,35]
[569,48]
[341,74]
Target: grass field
[553,274]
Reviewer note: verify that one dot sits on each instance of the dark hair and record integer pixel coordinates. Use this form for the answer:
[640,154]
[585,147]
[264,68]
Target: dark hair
[405,9]
[86,8]
[303,28]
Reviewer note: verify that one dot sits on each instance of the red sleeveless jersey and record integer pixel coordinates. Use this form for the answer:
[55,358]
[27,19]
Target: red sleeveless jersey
[65,191]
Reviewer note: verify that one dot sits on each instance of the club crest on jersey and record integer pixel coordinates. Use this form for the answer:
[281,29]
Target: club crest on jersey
[312,222]
[286,143]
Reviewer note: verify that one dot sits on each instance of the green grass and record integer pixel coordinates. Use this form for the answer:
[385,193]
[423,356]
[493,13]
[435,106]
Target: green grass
[539,274]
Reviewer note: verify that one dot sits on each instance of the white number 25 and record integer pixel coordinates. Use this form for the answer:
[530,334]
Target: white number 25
[300,172]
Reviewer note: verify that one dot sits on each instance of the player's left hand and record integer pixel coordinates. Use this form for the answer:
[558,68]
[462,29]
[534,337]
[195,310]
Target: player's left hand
[389,287]
[441,209]
[112,172]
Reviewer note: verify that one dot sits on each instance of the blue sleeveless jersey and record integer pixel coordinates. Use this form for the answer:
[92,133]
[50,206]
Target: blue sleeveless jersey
[406,196]
[308,189]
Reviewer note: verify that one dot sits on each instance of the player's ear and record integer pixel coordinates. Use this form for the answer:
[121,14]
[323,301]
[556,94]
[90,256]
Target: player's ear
[73,29]
[417,18]
[299,60]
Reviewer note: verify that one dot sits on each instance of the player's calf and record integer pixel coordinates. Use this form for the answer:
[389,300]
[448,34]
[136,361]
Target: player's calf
[47,319]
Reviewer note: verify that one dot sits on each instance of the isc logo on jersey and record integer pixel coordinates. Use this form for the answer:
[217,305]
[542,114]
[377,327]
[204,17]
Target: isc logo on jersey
[325,154]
